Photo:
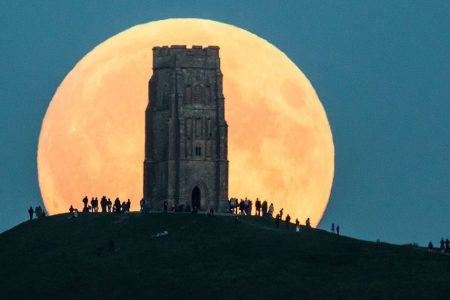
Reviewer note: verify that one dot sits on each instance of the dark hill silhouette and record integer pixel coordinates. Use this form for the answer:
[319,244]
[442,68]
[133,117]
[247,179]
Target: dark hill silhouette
[119,256]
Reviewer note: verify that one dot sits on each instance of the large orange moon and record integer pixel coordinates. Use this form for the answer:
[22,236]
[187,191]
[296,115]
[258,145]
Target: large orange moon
[280,143]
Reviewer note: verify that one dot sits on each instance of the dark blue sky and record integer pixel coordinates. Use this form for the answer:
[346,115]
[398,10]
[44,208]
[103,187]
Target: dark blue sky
[381,69]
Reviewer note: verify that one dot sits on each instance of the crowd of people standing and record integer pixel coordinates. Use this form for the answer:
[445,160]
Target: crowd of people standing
[262,208]
[444,246]
[245,206]
[106,205]
[38,211]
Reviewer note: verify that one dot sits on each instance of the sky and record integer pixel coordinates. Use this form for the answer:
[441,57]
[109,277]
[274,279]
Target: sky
[381,69]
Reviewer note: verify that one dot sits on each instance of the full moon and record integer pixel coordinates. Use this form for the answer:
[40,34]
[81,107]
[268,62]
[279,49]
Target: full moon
[279,139]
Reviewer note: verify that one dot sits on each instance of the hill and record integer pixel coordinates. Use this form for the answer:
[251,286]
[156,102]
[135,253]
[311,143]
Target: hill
[119,256]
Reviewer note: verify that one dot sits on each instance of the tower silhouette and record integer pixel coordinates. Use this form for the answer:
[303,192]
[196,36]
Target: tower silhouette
[186,134]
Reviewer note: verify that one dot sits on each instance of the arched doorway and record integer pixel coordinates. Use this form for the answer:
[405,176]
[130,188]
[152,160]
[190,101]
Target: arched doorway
[196,197]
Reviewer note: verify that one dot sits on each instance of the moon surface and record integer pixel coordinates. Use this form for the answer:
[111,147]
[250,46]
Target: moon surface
[279,139]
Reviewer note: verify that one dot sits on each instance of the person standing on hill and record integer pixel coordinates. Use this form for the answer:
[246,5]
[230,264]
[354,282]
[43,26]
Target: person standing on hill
[271,209]
[277,220]
[31,212]
[258,207]
[117,205]
[103,204]
[85,203]
[109,204]
[288,220]
[442,245]
[246,206]
[264,208]
[281,214]
[447,245]
[338,229]
[128,205]
[332,227]
[95,206]
[38,212]
[141,204]
[297,225]
[308,223]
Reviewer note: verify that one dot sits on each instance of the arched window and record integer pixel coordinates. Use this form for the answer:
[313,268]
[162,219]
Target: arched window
[198,150]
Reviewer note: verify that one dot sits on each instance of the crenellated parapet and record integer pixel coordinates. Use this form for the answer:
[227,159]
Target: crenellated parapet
[180,56]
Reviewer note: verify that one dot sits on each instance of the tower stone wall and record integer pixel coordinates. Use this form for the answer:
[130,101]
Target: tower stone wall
[186,134]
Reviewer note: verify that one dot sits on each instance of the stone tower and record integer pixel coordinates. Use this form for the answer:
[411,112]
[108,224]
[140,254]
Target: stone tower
[186,134]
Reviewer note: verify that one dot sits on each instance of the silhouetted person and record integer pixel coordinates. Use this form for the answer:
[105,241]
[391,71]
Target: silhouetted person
[85,202]
[264,208]
[281,214]
[246,206]
[109,205]
[308,223]
[430,246]
[442,245]
[166,205]
[124,207]
[39,212]
[211,211]
[103,204]
[93,204]
[141,204]
[271,209]
[233,205]
[128,205]
[241,207]
[297,222]
[249,207]
[288,219]
[117,205]
[338,229]
[73,212]
[277,220]
[258,207]
[31,212]
[332,227]
[447,245]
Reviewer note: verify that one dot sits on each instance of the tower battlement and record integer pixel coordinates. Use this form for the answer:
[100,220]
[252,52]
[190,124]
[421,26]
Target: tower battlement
[163,51]
[183,57]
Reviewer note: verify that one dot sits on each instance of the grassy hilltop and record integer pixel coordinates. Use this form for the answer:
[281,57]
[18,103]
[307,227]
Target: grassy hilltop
[207,258]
